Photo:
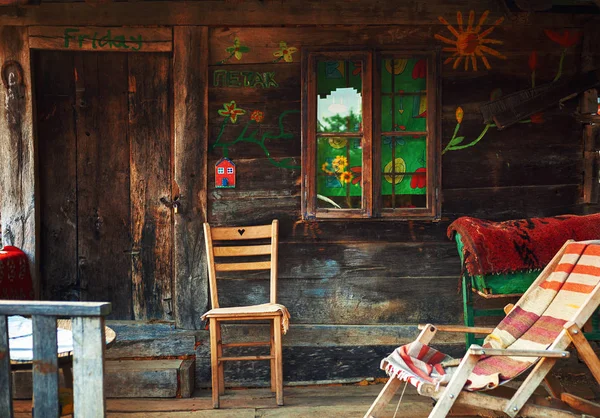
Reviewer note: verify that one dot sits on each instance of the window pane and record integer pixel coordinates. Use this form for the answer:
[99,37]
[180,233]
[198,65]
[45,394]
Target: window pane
[403,171]
[339,101]
[339,168]
[406,113]
[403,75]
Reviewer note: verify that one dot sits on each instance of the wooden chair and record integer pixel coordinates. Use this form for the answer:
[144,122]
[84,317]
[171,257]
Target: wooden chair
[574,273]
[227,244]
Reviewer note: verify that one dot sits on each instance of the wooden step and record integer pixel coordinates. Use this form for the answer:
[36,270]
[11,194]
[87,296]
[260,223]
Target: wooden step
[132,379]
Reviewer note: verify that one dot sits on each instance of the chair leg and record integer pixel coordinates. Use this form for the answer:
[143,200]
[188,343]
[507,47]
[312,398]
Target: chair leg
[278,361]
[214,361]
[384,397]
[221,363]
[273,363]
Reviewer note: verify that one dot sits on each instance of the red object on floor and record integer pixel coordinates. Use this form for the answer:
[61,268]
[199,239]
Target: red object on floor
[522,244]
[15,280]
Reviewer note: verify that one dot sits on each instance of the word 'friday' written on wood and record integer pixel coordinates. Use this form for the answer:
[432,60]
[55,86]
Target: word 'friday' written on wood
[224,78]
[72,37]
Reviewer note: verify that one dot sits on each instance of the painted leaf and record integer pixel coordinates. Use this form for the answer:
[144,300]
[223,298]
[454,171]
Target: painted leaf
[457,140]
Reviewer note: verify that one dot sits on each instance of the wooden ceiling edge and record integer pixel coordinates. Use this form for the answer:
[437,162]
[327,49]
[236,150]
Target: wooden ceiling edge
[216,13]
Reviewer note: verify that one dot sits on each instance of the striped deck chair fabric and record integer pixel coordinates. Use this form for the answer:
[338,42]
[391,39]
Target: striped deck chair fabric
[535,322]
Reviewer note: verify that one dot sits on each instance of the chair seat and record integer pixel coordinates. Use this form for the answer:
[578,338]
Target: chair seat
[266,310]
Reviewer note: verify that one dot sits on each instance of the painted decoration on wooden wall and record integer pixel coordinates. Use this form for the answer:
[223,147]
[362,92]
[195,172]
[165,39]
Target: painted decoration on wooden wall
[244,79]
[231,112]
[457,142]
[470,42]
[565,39]
[225,174]
[237,50]
[284,52]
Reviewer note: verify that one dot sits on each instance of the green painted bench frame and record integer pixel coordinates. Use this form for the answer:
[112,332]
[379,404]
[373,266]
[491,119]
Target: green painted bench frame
[504,285]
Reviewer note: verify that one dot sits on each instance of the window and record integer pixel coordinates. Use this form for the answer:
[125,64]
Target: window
[221,170]
[229,170]
[370,135]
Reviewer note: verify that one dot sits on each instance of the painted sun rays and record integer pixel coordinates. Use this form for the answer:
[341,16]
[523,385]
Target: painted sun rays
[471,42]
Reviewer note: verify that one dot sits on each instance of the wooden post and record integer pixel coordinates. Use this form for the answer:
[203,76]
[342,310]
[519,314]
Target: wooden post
[590,60]
[17,150]
[190,85]
[88,367]
[45,367]
[5,376]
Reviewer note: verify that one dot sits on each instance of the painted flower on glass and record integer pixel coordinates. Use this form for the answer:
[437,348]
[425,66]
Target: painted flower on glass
[393,141]
[257,116]
[420,69]
[327,168]
[232,111]
[419,179]
[357,172]
[357,68]
[345,177]
[565,39]
[284,52]
[339,163]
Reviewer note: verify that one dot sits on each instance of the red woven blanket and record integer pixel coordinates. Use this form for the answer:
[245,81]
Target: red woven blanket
[522,244]
[15,280]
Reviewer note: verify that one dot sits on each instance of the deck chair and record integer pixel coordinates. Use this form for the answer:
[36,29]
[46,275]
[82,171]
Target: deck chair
[229,245]
[534,335]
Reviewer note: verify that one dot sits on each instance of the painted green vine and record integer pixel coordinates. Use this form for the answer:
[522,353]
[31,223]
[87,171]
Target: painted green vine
[231,112]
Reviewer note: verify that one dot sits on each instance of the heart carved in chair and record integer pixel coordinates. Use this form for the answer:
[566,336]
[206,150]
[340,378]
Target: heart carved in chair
[241,231]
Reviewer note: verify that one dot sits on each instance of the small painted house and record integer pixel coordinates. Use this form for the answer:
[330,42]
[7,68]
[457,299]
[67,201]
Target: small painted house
[225,174]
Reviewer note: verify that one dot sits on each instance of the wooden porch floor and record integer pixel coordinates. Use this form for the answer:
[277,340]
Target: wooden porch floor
[300,402]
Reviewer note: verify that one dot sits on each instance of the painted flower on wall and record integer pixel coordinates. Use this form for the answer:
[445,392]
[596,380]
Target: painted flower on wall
[257,116]
[237,50]
[284,52]
[470,42]
[459,114]
[420,69]
[566,38]
[232,111]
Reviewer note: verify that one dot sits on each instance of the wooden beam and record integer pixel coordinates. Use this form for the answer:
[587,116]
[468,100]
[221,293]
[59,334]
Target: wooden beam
[190,85]
[260,13]
[17,149]
[585,351]
[93,38]
[580,404]
[588,105]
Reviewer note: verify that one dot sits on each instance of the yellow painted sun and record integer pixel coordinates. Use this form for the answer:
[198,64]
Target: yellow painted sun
[470,42]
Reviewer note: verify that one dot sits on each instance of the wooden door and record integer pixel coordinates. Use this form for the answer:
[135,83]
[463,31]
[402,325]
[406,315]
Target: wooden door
[104,135]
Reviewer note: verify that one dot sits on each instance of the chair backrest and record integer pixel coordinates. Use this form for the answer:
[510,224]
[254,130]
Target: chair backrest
[229,245]
[568,290]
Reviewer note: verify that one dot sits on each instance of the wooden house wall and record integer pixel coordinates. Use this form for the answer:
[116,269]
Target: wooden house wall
[357,288]
[340,279]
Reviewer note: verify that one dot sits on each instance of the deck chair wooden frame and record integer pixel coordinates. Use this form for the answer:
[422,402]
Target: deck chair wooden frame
[244,235]
[521,402]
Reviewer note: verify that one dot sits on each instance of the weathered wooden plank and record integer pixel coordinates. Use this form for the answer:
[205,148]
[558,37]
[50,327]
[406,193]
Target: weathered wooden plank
[8,307]
[88,367]
[94,38]
[590,59]
[349,301]
[103,207]
[142,378]
[187,378]
[190,121]
[45,367]
[17,153]
[511,202]
[5,377]
[330,335]
[175,345]
[150,135]
[55,120]
[213,13]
